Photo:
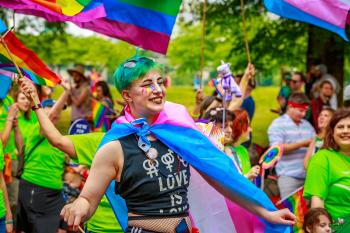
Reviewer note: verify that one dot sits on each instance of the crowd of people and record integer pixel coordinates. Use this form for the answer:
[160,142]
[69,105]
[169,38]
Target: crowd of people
[56,183]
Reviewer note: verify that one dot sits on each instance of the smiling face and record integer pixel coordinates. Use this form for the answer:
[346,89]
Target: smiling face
[341,134]
[146,96]
[23,102]
[324,118]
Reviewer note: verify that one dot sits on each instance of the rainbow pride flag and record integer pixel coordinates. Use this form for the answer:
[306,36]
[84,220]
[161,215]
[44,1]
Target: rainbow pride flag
[69,8]
[6,81]
[144,23]
[297,205]
[101,122]
[29,63]
[328,14]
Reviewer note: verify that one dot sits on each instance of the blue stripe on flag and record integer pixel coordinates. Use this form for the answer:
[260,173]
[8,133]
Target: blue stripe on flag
[5,82]
[286,10]
[3,27]
[141,17]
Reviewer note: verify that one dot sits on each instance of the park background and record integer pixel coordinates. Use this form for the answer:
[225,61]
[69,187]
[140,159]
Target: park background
[276,46]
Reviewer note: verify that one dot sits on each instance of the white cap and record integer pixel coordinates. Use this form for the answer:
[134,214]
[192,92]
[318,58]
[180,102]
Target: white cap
[346,93]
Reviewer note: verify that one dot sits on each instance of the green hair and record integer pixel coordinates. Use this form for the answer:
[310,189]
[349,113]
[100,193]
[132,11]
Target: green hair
[124,76]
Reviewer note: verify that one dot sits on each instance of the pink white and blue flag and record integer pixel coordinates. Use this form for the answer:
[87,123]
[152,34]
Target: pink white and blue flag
[210,211]
[332,15]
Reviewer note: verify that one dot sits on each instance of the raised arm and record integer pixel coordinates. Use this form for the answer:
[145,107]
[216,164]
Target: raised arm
[48,129]
[236,103]
[11,117]
[103,170]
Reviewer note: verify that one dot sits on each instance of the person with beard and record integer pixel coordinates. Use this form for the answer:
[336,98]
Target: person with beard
[322,101]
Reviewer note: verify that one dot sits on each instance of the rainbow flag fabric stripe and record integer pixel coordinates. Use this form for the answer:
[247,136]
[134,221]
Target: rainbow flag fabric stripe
[331,15]
[297,205]
[144,23]
[99,111]
[29,63]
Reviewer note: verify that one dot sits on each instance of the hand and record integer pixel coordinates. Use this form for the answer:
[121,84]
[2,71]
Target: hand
[283,216]
[250,71]
[66,85]
[253,172]
[199,97]
[13,110]
[15,123]
[76,212]
[9,226]
[28,88]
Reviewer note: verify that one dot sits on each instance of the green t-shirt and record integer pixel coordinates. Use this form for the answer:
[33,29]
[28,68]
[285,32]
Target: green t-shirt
[10,147]
[328,177]
[26,125]
[242,159]
[2,201]
[103,220]
[44,166]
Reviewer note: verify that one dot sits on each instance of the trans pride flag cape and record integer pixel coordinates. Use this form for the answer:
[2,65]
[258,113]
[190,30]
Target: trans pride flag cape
[176,129]
[328,14]
[144,23]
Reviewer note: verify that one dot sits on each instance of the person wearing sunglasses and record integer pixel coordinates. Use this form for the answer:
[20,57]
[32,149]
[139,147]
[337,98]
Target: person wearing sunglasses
[297,82]
[142,165]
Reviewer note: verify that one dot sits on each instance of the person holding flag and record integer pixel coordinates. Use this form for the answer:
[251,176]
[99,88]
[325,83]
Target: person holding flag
[159,158]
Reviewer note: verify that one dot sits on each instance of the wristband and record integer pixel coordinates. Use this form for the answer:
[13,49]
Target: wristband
[9,221]
[36,106]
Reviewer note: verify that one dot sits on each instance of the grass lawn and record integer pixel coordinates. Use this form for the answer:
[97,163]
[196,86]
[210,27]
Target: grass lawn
[265,99]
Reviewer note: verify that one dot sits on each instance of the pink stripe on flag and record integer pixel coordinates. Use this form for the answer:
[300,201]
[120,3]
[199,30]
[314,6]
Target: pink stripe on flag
[7,73]
[141,37]
[332,11]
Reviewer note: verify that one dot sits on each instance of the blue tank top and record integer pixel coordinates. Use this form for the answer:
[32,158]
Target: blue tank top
[157,188]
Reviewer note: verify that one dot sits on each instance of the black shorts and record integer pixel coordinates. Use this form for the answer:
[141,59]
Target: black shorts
[38,209]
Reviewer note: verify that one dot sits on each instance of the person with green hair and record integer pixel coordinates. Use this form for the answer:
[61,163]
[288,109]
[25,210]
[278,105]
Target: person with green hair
[141,164]
[80,148]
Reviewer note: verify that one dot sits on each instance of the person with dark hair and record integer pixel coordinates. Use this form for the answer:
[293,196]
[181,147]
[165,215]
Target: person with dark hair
[317,143]
[138,160]
[322,101]
[103,95]
[295,134]
[317,220]
[297,81]
[327,182]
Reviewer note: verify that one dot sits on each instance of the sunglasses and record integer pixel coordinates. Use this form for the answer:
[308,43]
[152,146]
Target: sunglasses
[294,81]
[130,64]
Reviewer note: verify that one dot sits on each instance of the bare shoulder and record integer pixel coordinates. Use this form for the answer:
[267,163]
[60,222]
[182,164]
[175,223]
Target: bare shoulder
[110,149]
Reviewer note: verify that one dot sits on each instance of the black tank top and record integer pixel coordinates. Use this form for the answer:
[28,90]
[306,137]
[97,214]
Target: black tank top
[154,189]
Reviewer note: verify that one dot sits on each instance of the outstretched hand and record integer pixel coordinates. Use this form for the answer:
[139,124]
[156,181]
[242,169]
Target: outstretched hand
[250,71]
[76,212]
[283,216]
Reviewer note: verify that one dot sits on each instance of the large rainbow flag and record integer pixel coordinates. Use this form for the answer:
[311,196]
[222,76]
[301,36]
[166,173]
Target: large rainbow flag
[332,15]
[210,211]
[144,23]
[29,63]
[296,203]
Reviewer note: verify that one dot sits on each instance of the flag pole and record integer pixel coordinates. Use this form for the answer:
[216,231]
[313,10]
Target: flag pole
[3,42]
[245,31]
[203,42]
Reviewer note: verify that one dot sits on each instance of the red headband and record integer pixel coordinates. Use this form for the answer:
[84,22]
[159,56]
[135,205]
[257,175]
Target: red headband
[295,105]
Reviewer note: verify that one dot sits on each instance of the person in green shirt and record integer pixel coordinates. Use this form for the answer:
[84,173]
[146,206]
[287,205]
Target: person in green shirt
[327,182]
[81,148]
[40,194]
[6,222]
[235,135]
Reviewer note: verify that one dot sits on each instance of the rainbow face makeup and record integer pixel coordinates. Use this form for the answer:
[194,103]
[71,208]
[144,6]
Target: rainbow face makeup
[148,89]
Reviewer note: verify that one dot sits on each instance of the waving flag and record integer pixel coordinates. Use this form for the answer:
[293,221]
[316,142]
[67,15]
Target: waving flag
[296,203]
[176,129]
[328,14]
[5,81]
[144,23]
[29,63]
